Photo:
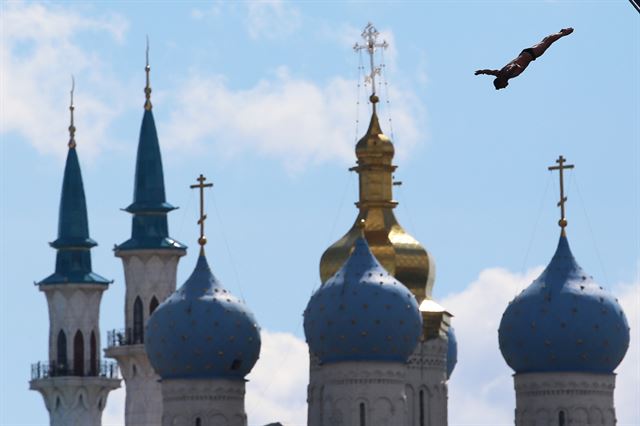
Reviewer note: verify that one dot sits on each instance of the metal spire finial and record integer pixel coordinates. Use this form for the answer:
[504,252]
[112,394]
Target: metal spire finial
[561,167]
[147,89]
[72,127]
[370,35]
[201,185]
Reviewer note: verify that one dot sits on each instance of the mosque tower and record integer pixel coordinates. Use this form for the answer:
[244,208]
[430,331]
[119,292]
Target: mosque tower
[150,259]
[564,335]
[404,257]
[203,341]
[74,382]
[361,326]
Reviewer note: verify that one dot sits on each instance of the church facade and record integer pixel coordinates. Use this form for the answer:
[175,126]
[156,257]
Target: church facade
[381,348]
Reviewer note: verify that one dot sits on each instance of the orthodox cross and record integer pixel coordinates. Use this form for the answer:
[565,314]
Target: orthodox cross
[370,35]
[561,167]
[72,127]
[201,185]
[147,88]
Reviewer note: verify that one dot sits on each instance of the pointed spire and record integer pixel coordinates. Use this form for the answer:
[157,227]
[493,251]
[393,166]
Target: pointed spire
[149,229]
[72,127]
[147,88]
[73,260]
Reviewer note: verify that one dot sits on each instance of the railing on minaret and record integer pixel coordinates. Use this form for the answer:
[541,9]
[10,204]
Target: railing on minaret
[561,167]
[370,35]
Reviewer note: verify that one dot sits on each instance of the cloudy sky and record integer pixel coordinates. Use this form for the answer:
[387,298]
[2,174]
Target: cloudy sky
[263,98]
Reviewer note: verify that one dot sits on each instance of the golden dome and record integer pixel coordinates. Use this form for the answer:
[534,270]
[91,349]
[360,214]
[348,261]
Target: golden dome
[401,254]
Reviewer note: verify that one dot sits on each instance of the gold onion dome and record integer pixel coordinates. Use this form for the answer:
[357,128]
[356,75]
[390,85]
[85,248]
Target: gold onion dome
[398,252]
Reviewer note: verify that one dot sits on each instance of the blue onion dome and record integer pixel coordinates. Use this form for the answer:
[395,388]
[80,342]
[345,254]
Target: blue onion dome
[564,321]
[452,351]
[362,313]
[202,331]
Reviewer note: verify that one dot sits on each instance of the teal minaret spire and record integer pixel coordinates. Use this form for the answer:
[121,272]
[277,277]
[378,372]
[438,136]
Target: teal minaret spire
[74,381]
[150,260]
[73,260]
[149,228]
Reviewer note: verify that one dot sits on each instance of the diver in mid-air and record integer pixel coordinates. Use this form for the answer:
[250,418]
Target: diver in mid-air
[519,64]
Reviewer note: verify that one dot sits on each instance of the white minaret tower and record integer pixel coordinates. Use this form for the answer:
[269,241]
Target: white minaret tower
[203,341]
[564,335]
[150,259]
[361,326]
[74,382]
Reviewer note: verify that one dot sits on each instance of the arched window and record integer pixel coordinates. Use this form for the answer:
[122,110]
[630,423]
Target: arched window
[78,354]
[138,322]
[153,305]
[61,366]
[93,368]
[561,418]
[362,415]
[198,421]
[421,408]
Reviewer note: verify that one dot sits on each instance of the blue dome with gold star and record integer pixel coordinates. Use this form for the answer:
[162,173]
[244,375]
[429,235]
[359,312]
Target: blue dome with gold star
[362,313]
[564,321]
[202,331]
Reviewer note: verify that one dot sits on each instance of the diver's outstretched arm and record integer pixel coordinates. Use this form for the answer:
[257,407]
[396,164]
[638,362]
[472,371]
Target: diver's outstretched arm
[487,72]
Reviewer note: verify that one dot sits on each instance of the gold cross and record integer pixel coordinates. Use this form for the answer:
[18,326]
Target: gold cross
[201,185]
[370,35]
[561,167]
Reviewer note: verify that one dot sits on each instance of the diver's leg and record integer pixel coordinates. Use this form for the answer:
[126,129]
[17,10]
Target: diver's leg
[540,48]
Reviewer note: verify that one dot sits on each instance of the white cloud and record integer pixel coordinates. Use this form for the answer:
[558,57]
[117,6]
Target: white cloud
[113,414]
[481,386]
[291,119]
[277,387]
[272,19]
[40,48]
[628,379]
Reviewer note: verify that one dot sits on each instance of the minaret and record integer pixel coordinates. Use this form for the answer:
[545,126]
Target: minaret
[400,254]
[74,382]
[150,259]
[203,341]
[564,336]
[362,326]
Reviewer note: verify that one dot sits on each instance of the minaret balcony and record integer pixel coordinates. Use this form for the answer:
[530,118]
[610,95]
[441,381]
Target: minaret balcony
[46,369]
[125,337]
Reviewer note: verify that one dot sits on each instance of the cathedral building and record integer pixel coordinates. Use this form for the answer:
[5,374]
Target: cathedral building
[381,349]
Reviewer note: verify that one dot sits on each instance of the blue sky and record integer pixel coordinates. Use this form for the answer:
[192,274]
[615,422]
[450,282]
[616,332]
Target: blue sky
[261,98]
